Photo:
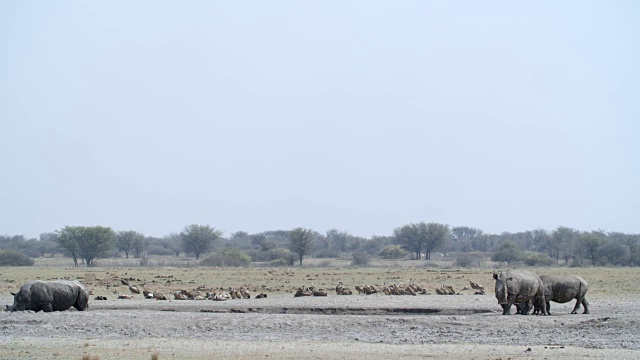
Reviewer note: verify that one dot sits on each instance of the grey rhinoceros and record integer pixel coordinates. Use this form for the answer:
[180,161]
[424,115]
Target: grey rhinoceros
[516,286]
[562,289]
[50,296]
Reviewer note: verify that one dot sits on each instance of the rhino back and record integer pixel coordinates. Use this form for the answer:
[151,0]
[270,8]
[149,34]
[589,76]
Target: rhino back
[563,288]
[64,294]
[524,284]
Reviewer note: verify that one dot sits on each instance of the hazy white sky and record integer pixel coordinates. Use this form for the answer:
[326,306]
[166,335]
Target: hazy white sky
[357,115]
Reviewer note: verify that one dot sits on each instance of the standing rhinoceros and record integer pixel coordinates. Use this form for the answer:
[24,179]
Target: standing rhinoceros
[516,286]
[50,296]
[562,289]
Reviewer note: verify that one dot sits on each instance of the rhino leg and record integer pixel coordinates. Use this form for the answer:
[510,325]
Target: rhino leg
[548,307]
[585,303]
[543,309]
[577,307]
[506,308]
[537,308]
[46,307]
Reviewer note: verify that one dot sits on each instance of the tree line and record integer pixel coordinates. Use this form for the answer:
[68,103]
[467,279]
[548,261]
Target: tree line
[562,246]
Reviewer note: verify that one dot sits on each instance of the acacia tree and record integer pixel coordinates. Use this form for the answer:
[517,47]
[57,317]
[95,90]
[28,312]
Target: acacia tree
[540,238]
[435,237]
[465,232]
[86,242]
[508,252]
[591,243]
[138,247]
[173,242]
[559,239]
[47,243]
[411,237]
[66,239]
[338,238]
[126,240]
[198,239]
[464,236]
[300,241]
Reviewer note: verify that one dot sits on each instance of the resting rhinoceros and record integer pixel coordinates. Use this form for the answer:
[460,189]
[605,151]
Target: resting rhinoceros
[50,296]
[516,286]
[562,289]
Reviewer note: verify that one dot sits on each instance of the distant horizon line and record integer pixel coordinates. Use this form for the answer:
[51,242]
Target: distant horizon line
[334,228]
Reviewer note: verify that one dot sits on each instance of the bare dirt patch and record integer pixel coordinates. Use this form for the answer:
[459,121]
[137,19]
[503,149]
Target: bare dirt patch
[332,327]
[464,326]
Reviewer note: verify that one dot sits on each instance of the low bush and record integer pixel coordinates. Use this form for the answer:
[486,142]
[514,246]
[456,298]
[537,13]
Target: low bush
[269,255]
[14,258]
[160,250]
[392,252]
[469,260]
[531,258]
[227,257]
[279,263]
[360,258]
[144,260]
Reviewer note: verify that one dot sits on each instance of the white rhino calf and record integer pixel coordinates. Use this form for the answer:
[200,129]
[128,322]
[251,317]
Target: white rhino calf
[50,296]
[516,286]
[562,289]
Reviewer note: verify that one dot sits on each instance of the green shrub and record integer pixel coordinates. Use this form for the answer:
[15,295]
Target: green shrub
[14,258]
[279,263]
[269,255]
[531,258]
[392,252]
[508,252]
[227,257]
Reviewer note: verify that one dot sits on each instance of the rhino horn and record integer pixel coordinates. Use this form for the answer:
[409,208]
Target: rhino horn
[14,294]
[495,276]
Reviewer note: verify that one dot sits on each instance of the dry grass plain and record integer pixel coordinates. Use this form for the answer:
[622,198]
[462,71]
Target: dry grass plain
[334,327]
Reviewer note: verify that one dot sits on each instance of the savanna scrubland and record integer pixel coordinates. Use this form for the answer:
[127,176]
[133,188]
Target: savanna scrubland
[333,327]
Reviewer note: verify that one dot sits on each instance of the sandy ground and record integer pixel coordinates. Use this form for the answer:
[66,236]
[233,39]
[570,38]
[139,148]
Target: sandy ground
[332,327]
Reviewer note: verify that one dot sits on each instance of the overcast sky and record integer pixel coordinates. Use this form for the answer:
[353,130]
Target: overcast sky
[356,115]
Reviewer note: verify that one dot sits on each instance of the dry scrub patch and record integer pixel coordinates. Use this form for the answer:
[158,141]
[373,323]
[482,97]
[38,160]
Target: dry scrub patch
[106,281]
